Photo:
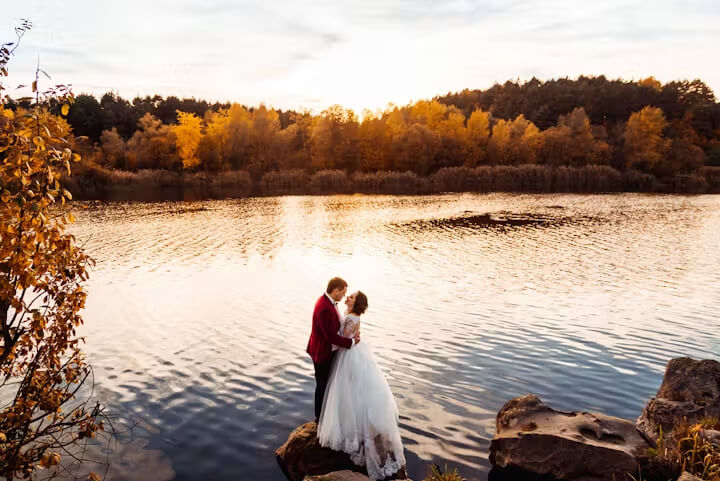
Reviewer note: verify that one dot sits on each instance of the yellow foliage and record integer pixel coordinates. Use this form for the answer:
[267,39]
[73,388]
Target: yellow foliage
[42,272]
[188,133]
[652,83]
[645,144]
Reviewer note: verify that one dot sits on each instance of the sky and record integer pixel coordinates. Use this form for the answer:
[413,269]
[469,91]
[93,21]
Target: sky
[357,53]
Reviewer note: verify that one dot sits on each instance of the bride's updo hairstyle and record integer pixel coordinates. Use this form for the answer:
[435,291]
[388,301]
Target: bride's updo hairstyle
[361,303]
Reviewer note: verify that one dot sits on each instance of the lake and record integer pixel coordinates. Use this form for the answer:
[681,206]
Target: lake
[199,315]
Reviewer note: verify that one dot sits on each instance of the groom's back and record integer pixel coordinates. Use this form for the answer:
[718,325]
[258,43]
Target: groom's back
[318,347]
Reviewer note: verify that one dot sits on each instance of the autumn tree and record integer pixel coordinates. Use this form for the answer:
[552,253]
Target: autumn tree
[152,146]
[113,148]
[685,154]
[334,134]
[188,133]
[265,125]
[645,143]
[651,83]
[239,136]
[478,135]
[514,142]
[571,142]
[373,143]
[294,142]
[42,271]
[416,148]
[214,145]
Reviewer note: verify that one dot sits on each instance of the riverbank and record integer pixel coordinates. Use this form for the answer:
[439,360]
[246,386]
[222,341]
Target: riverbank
[97,183]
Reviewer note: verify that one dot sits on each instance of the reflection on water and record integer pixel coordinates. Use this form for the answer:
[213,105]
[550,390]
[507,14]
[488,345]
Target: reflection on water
[199,314]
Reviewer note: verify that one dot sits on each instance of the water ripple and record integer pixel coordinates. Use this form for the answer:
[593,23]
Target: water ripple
[199,313]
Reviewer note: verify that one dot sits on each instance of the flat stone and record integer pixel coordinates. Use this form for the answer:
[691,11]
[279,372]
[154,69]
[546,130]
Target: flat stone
[534,438]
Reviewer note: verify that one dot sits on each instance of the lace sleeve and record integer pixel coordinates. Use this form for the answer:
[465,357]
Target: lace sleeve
[351,327]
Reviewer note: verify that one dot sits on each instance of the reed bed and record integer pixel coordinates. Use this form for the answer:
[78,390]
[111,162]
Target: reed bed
[91,182]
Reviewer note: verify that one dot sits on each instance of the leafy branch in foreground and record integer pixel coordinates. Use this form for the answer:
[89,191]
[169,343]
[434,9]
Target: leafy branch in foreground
[43,418]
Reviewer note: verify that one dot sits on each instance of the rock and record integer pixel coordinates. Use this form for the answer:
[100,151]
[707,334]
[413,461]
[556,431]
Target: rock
[302,456]
[711,435]
[340,476]
[690,390]
[685,476]
[534,438]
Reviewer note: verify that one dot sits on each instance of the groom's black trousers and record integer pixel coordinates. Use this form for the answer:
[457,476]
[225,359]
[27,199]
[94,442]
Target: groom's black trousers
[322,375]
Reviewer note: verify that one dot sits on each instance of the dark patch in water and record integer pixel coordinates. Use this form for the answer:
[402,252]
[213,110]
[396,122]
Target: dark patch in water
[189,210]
[487,220]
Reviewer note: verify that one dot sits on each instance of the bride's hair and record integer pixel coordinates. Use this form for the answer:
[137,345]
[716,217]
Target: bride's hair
[361,303]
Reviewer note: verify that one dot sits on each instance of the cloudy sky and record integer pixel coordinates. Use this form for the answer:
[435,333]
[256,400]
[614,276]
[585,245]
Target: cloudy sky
[358,53]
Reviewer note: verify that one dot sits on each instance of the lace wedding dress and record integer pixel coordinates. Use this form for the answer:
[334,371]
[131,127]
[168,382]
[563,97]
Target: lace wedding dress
[359,414]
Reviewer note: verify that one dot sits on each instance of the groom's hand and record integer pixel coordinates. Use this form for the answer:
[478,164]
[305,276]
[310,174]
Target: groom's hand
[357,338]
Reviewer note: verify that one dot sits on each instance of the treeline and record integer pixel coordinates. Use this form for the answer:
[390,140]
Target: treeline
[665,131]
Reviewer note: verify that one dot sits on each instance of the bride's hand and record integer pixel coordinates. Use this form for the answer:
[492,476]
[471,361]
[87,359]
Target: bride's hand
[357,338]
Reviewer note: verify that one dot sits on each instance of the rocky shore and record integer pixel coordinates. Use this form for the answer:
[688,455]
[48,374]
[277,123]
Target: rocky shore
[302,458]
[677,437]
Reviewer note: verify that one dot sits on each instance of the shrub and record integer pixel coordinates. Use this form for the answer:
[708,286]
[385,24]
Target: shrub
[42,275]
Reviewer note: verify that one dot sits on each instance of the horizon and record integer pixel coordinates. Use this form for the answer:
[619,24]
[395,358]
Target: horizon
[312,56]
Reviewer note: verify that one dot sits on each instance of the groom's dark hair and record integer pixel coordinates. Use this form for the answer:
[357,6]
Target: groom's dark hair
[336,283]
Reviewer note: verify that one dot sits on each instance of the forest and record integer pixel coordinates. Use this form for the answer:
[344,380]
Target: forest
[584,134]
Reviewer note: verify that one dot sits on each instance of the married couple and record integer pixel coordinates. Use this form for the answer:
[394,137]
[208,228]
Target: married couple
[354,407]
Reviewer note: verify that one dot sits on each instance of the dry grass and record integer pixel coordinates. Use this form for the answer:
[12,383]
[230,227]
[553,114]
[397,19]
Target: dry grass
[389,182]
[93,181]
[329,182]
[686,449]
[284,182]
[437,474]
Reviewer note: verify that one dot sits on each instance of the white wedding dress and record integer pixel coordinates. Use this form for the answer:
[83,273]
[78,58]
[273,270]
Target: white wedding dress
[359,414]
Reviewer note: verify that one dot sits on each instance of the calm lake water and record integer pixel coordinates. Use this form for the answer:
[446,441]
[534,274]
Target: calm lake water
[199,314]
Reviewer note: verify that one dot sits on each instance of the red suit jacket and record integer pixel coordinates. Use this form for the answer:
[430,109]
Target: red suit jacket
[325,327]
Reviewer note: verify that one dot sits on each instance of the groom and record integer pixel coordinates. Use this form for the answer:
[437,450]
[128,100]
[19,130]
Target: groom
[324,337]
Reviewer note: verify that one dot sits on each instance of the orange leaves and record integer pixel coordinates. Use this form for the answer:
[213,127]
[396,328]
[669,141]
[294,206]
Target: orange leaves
[49,459]
[41,293]
[645,144]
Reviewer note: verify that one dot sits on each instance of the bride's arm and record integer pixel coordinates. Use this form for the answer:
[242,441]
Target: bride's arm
[351,328]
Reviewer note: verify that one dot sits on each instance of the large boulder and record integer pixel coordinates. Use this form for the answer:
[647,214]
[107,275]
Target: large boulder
[532,437]
[690,390]
[302,456]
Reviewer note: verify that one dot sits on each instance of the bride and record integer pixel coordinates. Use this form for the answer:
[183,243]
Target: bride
[359,414]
